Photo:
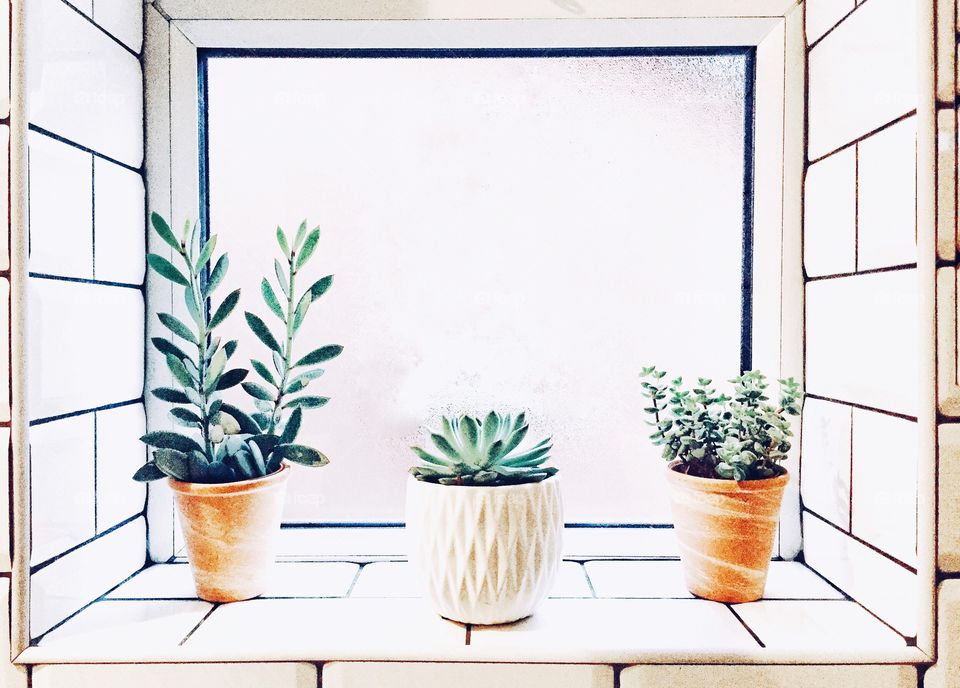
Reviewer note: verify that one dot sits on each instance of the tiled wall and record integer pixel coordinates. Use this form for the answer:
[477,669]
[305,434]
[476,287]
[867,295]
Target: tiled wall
[85,309]
[859,444]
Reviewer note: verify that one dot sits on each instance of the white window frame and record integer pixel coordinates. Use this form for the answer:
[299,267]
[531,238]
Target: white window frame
[177,29]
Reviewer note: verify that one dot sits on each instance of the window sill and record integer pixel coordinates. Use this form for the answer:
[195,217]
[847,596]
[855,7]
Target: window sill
[623,612]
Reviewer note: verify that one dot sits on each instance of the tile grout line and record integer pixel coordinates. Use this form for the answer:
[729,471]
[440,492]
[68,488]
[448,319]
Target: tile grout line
[47,562]
[863,137]
[586,574]
[37,129]
[72,414]
[862,407]
[102,30]
[215,606]
[83,280]
[745,625]
[889,557]
[356,577]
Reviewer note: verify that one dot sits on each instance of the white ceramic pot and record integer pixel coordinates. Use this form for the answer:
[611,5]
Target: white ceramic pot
[485,555]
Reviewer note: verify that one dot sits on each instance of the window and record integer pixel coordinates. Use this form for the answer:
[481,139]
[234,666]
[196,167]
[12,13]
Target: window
[510,229]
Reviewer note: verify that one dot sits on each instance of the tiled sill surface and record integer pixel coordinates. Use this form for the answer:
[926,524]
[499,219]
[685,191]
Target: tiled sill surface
[600,611]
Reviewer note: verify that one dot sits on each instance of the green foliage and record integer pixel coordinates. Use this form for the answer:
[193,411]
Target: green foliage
[220,443]
[279,395]
[482,452]
[743,437]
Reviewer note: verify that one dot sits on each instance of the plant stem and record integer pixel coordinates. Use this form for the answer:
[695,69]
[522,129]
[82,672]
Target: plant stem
[287,349]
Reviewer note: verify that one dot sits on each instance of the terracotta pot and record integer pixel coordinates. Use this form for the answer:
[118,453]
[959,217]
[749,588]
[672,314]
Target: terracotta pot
[231,531]
[485,555]
[725,529]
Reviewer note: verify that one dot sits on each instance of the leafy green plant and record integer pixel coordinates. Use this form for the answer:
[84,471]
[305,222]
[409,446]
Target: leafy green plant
[221,442]
[743,437]
[483,452]
[290,375]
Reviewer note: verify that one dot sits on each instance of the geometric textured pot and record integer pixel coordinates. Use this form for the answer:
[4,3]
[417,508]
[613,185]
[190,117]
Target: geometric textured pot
[725,530]
[231,530]
[485,555]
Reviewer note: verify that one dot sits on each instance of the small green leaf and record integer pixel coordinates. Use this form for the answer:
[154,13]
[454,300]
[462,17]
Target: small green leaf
[163,439]
[260,329]
[298,453]
[165,346]
[257,392]
[430,458]
[445,446]
[192,307]
[177,327]
[225,308]
[174,396]
[247,424]
[216,275]
[304,378]
[320,287]
[292,428]
[206,253]
[230,347]
[278,363]
[217,364]
[281,278]
[147,472]
[185,417]
[307,402]
[469,431]
[174,463]
[179,371]
[309,246]
[301,311]
[324,353]
[231,378]
[271,299]
[166,269]
[163,229]
[301,233]
[263,372]
[282,240]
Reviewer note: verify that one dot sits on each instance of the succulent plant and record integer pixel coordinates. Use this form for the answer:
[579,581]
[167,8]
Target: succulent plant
[743,437]
[483,452]
[222,442]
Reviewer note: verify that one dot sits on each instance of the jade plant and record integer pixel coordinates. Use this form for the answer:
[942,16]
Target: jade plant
[483,452]
[712,435]
[220,442]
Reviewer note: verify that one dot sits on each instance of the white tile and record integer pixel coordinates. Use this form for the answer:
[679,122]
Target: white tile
[11,676]
[63,587]
[582,629]
[61,210]
[791,580]
[129,626]
[160,581]
[587,543]
[946,672]
[4,205]
[311,579]
[387,579]
[856,326]
[571,581]
[342,542]
[4,65]
[882,586]
[862,75]
[948,511]
[885,483]
[825,460]
[122,18]
[4,504]
[887,197]
[119,454]
[769,676]
[342,628]
[805,625]
[640,579]
[87,346]
[61,486]
[276,675]
[830,215]
[823,15]
[4,350]
[119,230]
[437,675]
[82,85]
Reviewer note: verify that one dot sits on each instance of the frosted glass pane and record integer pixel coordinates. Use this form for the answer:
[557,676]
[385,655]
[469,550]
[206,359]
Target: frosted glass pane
[523,233]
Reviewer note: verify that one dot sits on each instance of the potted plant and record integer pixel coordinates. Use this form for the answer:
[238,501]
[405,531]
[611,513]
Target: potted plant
[228,469]
[726,481]
[485,520]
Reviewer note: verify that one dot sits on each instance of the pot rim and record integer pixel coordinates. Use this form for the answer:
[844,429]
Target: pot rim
[231,488]
[555,478]
[776,482]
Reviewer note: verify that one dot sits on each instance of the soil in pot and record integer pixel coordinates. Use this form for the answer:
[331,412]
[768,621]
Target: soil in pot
[485,555]
[725,530]
[231,530]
